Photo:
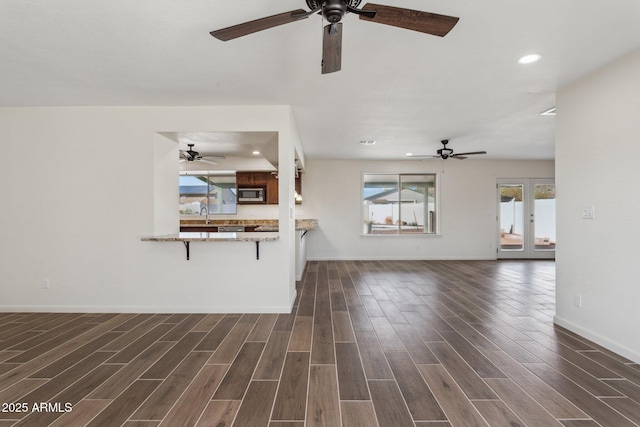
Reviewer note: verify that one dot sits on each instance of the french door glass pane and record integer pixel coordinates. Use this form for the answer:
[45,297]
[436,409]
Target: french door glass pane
[544,206]
[511,217]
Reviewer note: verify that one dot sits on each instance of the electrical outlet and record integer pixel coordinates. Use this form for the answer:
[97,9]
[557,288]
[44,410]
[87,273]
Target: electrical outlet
[46,283]
[577,300]
[588,212]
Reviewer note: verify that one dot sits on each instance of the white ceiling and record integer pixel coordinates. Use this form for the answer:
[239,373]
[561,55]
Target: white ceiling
[230,150]
[404,89]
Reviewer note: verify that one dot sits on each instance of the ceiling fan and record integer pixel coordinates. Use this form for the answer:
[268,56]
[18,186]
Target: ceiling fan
[333,11]
[191,155]
[447,153]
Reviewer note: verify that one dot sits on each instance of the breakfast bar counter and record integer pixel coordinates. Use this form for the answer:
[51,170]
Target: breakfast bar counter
[188,237]
[258,225]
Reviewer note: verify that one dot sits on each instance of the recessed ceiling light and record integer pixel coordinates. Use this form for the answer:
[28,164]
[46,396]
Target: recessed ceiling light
[409,154]
[255,153]
[549,112]
[367,142]
[529,59]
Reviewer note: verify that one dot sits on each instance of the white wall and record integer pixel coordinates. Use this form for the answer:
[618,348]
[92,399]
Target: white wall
[112,161]
[597,157]
[467,214]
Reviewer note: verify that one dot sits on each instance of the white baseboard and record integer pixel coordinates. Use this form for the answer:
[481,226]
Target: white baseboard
[144,309]
[605,342]
[401,258]
[147,309]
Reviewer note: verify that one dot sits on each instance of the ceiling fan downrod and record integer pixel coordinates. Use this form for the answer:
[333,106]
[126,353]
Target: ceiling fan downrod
[444,152]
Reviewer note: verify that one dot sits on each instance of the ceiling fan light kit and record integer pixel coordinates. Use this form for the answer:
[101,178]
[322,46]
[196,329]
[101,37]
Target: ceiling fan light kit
[333,11]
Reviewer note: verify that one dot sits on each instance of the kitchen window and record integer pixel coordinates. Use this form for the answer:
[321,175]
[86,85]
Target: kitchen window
[202,195]
[399,204]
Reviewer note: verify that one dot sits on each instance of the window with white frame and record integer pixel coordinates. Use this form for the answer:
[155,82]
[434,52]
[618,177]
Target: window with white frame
[399,203]
[202,194]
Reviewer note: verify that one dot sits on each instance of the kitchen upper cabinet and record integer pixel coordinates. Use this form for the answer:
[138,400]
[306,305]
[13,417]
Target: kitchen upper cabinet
[247,179]
[266,180]
[272,190]
[298,185]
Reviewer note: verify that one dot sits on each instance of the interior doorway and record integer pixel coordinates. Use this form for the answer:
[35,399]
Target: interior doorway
[526,218]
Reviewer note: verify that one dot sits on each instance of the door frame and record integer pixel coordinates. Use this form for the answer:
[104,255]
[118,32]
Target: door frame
[529,250]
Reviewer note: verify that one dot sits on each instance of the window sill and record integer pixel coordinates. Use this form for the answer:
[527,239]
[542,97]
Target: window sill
[402,235]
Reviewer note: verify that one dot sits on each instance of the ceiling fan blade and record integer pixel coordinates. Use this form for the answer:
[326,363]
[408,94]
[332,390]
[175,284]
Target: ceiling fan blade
[363,12]
[469,153]
[424,22]
[251,27]
[458,157]
[212,155]
[297,16]
[332,48]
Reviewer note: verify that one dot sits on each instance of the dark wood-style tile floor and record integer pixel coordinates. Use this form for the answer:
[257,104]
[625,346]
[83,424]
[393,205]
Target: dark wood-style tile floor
[389,344]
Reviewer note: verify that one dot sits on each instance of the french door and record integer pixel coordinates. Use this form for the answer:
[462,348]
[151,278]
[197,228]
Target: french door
[526,218]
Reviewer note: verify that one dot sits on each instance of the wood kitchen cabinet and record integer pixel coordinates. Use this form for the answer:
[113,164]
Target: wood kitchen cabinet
[272,190]
[248,179]
[298,186]
[267,180]
[196,229]
[260,179]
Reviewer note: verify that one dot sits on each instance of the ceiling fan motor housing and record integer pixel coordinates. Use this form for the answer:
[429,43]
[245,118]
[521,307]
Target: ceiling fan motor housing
[445,152]
[332,10]
[316,4]
[192,154]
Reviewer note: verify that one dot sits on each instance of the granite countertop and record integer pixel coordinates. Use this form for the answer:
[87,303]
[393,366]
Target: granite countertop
[263,225]
[213,237]
[263,228]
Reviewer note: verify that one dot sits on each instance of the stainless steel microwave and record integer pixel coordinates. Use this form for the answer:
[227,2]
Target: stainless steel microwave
[251,195]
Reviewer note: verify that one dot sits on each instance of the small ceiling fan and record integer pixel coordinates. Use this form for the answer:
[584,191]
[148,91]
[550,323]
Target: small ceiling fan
[191,155]
[333,11]
[447,153]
